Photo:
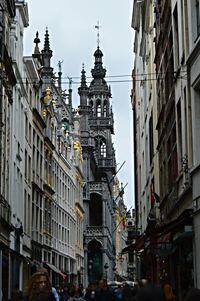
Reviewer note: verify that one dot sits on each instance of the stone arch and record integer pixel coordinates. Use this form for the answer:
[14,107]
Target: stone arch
[95,270]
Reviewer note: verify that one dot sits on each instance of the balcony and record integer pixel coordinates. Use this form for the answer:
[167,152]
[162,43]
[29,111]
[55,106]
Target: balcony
[5,213]
[102,122]
[106,164]
[11,7]
[94,231]
[96,187]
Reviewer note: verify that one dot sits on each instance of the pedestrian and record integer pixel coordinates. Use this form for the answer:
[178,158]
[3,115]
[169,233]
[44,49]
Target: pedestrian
[150,292]
[81,289]
[55,293]
[193,295]
[119,293]
[40,288]
[90,293]
[65,294]
[103,292]
[54,290]
[143,282]
[168,292]
[76,296]
[127,293]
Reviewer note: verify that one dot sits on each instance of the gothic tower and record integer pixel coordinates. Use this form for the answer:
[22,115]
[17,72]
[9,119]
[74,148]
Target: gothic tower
[96,129]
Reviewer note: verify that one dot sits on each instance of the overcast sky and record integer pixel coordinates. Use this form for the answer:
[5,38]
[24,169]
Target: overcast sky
[73,39]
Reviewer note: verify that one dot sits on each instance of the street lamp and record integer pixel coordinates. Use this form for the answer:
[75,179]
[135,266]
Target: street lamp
[106,267]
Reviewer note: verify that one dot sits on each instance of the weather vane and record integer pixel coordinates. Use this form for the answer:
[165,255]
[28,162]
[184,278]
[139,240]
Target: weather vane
[98,27]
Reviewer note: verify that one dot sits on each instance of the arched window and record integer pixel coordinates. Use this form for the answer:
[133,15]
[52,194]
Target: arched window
[98,110]
[100,145]
[103,149]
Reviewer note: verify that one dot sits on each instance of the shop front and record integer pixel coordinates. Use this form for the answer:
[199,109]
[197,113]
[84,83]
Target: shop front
[165,254]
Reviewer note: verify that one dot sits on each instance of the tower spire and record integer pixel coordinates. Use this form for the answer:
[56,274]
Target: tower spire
[46,41]
[83,78]
[83,89]
[46,52]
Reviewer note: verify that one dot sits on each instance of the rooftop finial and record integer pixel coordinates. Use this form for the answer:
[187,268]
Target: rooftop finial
[98,35]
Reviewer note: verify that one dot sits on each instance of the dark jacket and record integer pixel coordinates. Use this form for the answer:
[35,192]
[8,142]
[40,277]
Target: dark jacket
[104,294]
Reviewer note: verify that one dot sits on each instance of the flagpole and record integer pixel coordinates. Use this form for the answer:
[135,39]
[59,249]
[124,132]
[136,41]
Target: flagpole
[116,172]
[120,192]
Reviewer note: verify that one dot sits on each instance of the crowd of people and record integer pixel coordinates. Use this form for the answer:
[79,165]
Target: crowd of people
[41,289]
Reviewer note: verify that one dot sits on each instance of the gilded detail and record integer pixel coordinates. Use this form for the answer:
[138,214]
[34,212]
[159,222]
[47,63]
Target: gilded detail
[47,96]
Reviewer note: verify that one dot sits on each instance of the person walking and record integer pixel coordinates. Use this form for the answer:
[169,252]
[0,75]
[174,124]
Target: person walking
[40,288]
[168,292]
[193,295]
[76,296]
[150,292]
[104,293]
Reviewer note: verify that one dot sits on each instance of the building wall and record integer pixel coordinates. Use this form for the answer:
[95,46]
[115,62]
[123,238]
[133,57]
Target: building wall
[193,61]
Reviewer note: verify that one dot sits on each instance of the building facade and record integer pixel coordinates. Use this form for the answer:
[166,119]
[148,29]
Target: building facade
[171,236]
[41,216]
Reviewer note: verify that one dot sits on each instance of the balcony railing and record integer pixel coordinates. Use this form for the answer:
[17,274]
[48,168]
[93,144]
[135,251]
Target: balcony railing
[106,162]
[94,231]
[96,187]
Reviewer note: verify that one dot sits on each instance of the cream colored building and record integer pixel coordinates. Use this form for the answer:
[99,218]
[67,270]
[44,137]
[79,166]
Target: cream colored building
[145,111]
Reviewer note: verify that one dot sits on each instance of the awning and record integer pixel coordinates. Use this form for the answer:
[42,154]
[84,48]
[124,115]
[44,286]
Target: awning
[55,269]
[163,245]
[185,218]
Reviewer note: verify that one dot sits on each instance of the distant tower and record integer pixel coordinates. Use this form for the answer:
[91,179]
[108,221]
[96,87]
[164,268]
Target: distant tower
[99,166]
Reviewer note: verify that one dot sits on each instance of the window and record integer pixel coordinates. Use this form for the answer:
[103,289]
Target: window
[104,110]
[197,17]
[103,149]
[176,37]
[151,139]
[179,126]
[98,110]
[100,145]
